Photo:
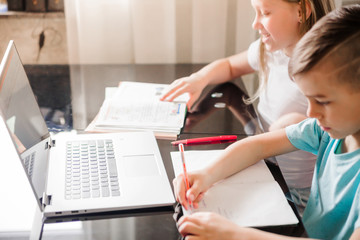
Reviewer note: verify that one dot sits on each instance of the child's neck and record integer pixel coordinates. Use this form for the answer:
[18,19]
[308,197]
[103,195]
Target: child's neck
[288,50]
[350,144]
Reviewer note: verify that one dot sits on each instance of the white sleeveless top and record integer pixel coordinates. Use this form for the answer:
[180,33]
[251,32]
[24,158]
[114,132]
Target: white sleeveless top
[280,97]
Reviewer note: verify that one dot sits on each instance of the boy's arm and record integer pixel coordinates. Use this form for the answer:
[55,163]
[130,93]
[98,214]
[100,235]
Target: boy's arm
[287,120]
[247,152]
[235,158]
[207,225]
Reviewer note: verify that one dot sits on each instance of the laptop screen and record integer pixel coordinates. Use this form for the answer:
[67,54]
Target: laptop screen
[23,117]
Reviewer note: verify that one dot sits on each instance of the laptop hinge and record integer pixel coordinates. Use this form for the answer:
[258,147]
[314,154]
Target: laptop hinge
[45,200]
[50,144]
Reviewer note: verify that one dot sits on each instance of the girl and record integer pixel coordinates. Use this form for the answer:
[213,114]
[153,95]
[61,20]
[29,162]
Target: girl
[281,23]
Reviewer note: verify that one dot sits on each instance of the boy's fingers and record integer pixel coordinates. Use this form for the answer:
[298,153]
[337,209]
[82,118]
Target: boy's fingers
[190,225]
[175,188]
[193,193]
[179,189]
[200,197]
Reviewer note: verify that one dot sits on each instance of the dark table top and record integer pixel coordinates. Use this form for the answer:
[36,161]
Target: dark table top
[70,97]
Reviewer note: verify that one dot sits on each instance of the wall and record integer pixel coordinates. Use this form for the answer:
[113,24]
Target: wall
[199,37]
[191,46]
[25,30]
[157,31]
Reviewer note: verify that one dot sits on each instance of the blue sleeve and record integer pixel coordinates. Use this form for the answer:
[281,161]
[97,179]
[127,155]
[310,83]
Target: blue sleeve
[357,224]
[305,135]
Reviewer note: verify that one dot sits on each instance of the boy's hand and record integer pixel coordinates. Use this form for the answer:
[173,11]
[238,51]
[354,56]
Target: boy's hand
[206,225]
[196,192]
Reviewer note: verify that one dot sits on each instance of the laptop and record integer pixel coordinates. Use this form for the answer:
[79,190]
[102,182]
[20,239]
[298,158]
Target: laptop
[72,174]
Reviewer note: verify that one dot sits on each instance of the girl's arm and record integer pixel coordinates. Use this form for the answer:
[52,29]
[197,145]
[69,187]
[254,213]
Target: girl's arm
[225,69]
[217,72]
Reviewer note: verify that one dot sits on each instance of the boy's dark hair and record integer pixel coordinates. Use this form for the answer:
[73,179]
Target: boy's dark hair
[335,37]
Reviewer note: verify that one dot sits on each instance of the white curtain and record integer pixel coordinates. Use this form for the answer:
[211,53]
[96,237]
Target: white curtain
[156,31]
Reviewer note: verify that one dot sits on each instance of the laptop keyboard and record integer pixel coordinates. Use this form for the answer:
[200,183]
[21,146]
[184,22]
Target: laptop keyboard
[91,170]
[29,164]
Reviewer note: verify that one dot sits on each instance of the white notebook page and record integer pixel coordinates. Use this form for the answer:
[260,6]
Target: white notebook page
[249,198]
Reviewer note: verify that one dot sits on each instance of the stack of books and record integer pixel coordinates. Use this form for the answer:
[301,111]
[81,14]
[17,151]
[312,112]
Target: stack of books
[135,106]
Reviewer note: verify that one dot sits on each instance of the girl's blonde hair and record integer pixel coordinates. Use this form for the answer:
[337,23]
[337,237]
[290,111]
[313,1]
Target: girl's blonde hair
[319,8]
[334,39]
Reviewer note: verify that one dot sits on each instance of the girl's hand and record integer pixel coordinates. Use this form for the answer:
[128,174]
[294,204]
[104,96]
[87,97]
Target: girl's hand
[194,85]
[206,225]
[198,187]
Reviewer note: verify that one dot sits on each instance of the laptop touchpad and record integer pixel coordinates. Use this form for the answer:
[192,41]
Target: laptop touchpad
[141,165]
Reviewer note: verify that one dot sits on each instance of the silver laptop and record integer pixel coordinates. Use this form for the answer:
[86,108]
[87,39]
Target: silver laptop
[79,174]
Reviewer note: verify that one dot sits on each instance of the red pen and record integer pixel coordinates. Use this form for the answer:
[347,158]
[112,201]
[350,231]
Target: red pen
[206,140]
[186,179]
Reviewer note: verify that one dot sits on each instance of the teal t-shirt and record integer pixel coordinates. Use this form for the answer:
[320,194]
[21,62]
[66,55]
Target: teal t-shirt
[333,209]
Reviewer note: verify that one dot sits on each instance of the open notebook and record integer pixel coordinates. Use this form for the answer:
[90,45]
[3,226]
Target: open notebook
[249,198]
[135,106]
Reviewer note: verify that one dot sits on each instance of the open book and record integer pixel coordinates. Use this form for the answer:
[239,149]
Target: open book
[250,198]
[135,106]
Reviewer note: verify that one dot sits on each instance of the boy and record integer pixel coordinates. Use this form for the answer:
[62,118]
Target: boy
[326,67]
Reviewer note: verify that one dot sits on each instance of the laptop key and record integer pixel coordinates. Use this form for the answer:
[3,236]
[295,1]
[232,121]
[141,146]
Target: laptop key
[95,193]
[112,167]
[115,193]
[85,195]
[76,196]
[90,169]
[105,192]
